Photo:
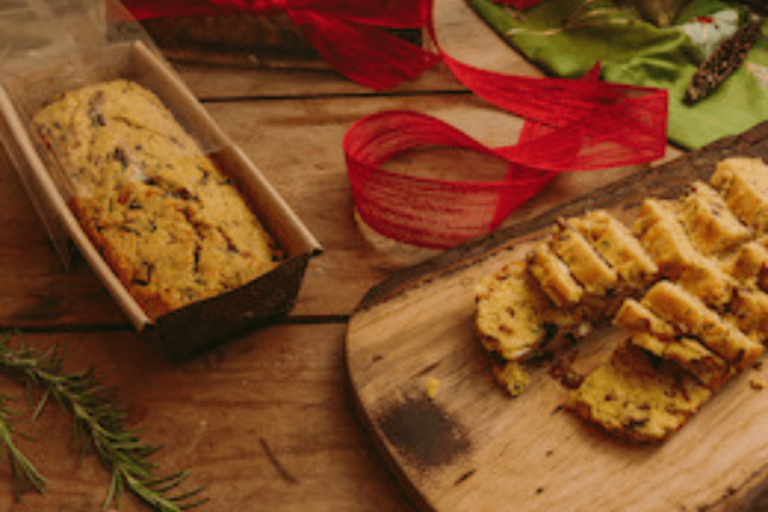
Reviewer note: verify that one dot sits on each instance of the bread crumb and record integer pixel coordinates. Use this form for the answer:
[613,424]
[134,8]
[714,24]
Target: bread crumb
[756,383]
[513,377]
[432,387]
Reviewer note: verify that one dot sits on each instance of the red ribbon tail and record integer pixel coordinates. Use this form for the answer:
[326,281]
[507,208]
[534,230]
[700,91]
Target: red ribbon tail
[368,55]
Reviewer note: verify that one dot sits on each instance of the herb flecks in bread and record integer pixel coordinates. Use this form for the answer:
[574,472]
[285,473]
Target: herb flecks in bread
[172,226]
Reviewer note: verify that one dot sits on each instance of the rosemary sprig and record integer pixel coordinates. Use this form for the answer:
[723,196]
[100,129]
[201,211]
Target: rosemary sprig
[23,473]
[99,423]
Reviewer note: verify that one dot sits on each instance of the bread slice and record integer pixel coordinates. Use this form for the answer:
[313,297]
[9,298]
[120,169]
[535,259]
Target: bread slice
[710,225]
[664,237]
[513,315]
[689,315]
[635,398]
[553,276]
[744,184]
[749,264]
[691,356]
[637,318]
[666,240]
[618,247]
[649,332]
[706,279]
[749,311]
[584,263]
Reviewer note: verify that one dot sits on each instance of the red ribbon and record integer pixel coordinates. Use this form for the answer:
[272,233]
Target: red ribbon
[346,33]
[572,125]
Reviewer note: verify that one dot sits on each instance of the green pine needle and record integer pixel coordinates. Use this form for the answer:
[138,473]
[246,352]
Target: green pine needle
[23,473]
[98,423]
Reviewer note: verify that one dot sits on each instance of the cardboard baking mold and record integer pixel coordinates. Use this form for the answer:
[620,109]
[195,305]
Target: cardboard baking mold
[184,332]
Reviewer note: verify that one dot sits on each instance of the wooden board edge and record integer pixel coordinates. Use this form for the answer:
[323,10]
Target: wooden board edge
[380,447]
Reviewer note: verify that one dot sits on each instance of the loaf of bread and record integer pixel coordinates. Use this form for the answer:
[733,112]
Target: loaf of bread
[691,276]
[171,225]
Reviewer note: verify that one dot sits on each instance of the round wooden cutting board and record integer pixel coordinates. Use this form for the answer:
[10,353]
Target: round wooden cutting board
[469,447]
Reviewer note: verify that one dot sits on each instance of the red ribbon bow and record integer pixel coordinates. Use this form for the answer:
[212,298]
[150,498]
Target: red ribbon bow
[346,33]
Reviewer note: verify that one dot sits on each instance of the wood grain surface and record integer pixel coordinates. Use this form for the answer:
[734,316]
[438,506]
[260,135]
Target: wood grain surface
[471,447]
[268,421]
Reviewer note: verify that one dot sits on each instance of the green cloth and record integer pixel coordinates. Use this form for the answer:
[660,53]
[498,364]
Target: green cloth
[632,51]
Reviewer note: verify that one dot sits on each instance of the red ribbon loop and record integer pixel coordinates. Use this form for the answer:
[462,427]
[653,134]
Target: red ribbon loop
[572,125]
[422,211]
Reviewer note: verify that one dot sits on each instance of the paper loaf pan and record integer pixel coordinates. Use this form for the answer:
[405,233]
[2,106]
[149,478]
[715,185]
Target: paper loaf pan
[184,332]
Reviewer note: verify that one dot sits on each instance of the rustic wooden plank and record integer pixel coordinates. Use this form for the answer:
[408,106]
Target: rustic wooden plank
[264,422]
[231,82]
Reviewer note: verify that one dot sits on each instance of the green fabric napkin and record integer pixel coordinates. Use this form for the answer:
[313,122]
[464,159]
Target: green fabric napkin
[633,51]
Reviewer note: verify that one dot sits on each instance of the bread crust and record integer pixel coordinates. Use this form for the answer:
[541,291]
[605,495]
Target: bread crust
[170,224]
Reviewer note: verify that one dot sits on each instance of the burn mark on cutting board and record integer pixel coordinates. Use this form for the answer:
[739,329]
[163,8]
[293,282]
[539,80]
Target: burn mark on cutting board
[422,432]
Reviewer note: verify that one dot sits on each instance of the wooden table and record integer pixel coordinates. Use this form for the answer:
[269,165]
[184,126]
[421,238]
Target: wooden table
[266,422]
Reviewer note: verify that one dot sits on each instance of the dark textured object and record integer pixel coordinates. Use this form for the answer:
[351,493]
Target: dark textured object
[245,39]
[422,431]
[723,62]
